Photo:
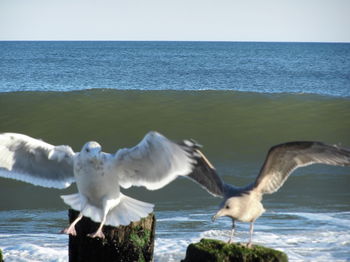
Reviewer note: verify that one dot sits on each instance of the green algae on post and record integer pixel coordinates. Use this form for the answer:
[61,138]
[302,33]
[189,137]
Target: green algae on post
[210,250]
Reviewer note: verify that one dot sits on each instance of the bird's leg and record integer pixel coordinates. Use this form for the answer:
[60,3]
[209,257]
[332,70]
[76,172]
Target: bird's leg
[107,205]
[250,244]
[70,230]
[232,231]
[99,232]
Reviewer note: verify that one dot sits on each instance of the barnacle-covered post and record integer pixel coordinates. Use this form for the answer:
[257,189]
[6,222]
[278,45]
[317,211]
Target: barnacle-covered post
[134,242]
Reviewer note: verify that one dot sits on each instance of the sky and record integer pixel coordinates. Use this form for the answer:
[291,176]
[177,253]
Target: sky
[176,20]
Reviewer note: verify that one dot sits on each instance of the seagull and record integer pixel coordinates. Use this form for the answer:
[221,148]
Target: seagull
[153,163]
[244,203]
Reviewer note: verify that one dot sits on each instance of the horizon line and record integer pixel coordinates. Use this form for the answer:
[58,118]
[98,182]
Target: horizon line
[193,41]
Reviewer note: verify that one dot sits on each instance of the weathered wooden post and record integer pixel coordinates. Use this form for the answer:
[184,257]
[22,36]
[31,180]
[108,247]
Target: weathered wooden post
[134,242]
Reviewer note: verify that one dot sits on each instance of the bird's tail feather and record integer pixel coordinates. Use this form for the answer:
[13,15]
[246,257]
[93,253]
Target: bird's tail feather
[91,211]
[128,210]
[73,200]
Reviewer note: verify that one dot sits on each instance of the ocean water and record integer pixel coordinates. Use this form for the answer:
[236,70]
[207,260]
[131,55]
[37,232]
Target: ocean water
[237,99]
[317,68]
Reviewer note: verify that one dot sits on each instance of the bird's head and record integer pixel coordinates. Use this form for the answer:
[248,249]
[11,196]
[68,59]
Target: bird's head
[92,151]
[229,208]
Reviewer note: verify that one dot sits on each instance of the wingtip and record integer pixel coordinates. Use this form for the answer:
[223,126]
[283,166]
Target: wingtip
[191,143]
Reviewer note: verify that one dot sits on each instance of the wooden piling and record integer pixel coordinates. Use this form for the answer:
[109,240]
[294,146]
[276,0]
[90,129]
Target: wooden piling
[131,243]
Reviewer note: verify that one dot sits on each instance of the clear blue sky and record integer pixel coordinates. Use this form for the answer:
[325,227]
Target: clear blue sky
[200,20]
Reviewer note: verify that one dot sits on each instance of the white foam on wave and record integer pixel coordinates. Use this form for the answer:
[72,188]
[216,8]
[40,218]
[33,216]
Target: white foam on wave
[34,247]
[308,245]
[32,252]
[179,219]
[324,217]
[171,250]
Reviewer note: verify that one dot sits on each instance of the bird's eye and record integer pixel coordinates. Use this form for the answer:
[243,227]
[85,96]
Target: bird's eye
[227,207]
[87,150]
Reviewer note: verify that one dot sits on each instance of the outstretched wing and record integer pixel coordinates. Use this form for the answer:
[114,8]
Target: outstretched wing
[155,162]
[36,162]
[205,175]
[283,159]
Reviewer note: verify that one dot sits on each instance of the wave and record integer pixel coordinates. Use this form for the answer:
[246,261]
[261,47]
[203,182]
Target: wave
[214,118]
[340,219]
[236,129]
[34,247]
[341,93]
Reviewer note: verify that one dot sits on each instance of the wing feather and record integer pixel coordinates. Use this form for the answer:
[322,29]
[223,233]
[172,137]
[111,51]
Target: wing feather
[34,161]
[283,159]
[206,176]
[154,162]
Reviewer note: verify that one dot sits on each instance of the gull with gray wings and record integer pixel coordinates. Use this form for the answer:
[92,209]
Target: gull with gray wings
[244,203]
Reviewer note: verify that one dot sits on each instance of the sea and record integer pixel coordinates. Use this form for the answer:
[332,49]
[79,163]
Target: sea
[237,99]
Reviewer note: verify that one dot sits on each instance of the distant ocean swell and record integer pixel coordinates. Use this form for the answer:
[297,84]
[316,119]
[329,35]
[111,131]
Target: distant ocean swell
[311,68]
[221,120]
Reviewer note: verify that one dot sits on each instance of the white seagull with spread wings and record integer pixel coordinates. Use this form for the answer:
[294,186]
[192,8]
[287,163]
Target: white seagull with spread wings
[153,163]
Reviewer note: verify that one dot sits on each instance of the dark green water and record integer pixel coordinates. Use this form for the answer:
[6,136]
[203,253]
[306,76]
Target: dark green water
[235,128]
[222,121]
